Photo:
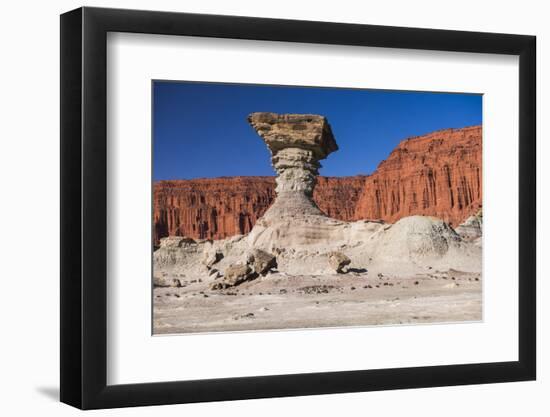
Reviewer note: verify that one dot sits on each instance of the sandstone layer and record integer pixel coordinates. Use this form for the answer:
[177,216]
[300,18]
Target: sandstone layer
[438,174]
[214,208]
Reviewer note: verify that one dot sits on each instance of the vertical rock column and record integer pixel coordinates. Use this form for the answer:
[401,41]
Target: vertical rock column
[297,143]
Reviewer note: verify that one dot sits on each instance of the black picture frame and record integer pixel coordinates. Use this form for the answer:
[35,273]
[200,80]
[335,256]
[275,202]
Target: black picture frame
[84,207]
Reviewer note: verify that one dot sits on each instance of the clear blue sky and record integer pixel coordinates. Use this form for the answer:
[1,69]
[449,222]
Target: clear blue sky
[200,129]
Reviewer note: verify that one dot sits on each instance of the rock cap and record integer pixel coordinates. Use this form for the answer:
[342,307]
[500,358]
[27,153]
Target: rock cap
[305,131]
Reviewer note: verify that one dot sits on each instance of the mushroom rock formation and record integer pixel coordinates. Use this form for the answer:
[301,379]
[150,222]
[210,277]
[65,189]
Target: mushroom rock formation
[297,143]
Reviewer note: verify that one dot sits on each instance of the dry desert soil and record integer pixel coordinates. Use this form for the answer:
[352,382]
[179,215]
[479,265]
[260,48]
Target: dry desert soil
[279,301]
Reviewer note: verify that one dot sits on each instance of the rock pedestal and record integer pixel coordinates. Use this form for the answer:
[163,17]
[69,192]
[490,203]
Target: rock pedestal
[297,143]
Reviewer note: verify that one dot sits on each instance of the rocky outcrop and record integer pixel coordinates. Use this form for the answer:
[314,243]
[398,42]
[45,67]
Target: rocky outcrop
[437,175]
[297,143]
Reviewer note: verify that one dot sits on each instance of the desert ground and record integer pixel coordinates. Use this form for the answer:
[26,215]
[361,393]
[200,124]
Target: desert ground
[355,299]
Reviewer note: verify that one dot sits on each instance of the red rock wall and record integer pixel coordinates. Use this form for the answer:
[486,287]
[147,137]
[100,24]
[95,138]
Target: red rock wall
[221,207]
[437,174]
[337,197]
[210,208]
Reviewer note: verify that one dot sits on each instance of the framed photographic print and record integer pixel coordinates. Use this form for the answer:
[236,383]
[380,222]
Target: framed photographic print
[257,208]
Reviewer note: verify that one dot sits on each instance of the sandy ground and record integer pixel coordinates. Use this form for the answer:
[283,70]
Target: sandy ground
[278,301]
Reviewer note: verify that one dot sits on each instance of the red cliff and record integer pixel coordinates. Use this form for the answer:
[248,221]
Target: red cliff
[438,174]
[213,208]
[337,197]
[216,208]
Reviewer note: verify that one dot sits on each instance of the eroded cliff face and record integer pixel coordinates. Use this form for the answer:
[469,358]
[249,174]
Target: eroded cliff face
[337,197]
[216,208]
[212,208]
[438,174]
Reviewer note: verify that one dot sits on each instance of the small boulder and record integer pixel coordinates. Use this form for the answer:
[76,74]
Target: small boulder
[261,262]
[212,258]
[238,273]
[337,261]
